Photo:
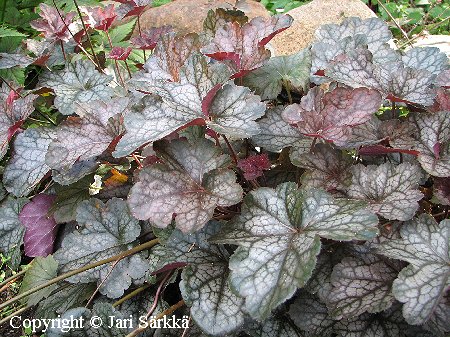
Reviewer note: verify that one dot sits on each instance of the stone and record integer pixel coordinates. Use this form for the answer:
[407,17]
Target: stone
[309,17]
[440,41]
[187,16]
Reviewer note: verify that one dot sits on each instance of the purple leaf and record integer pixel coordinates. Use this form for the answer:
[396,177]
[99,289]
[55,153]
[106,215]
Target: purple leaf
[101,18]
[254,166]
[242,47]
[40,227]
[51,24]
[149,38]
[331,115]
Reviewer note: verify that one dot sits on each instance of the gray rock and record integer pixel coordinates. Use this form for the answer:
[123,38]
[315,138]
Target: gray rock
[309,17]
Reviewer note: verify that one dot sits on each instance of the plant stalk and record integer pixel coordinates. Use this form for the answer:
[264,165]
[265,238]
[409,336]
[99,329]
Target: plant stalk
[132,251]
[12,278]
[161,315]
[131,295]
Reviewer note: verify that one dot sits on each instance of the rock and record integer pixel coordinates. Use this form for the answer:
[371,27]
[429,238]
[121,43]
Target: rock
[309,17]
[187,16]
[440,41]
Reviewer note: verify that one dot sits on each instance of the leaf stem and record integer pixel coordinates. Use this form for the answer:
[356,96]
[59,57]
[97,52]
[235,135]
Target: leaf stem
[408,41]
[233,153]
[61,43]
[140,33]
[12,278]
[97,64]
[131,295]
[103,281]
[158,291]
[128,68]
[168,311]
[288,90]
[85,30]
[15,313]
[115,61]
[64,276]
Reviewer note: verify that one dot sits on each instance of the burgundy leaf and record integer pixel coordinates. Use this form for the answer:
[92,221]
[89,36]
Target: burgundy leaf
[331,115]
[171,53]
[379,150]
[51,24]
[148,38]
[441,190]
[253,166]
[131,7]
[120,53]
[101,18]
[40,227]
[442,101]
[242,47]
[443,79]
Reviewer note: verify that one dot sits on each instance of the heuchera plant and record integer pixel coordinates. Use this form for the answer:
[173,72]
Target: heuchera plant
[299,195]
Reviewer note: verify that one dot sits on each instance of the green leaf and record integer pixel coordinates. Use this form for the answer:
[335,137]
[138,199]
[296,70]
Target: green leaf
[292,70]
[119,33]
[278,233]
[106,230]
[68,198]
[15,75]
[204,285]
[193,181]
[8,32]
[42,270]
[422,284]
[65,298]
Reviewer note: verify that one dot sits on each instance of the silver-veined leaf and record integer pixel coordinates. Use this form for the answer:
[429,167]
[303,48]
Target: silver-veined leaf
[331,115]
[361,284]
[278,233]
[13,114]
[78,82]
[391,191]
[276,133]
[11,229]
[88,136]
[190,184]
[427,58]
[327,168]
[422,284]
[204,284]
[105,230]
[27,166]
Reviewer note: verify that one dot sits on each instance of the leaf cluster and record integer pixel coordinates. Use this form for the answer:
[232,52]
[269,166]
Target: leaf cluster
[299,195]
